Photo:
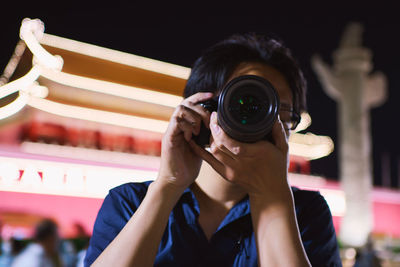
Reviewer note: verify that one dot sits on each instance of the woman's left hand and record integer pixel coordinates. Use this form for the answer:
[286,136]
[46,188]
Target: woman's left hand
[260,168]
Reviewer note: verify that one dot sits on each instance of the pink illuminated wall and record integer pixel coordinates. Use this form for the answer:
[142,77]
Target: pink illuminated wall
[67,211]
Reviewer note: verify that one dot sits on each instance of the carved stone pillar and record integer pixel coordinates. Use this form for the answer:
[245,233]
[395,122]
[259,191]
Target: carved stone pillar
[355,91]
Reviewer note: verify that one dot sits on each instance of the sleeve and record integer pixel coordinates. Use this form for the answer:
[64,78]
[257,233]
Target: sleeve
[317,232]
[116,210]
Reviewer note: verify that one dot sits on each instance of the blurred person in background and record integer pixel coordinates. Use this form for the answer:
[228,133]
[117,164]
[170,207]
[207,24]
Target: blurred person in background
[43,251]
[9,250]
[367,256]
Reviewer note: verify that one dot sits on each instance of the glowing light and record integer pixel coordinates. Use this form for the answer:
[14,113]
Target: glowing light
[99,116]
[87,180]
[74,178]
[82,180]
[336,201]
[305,122]
[116,56]
[30,177]
[9,172]
[15,106]
[31,31]
[310,146]
[333,195]
[94,155]
[21,83]
[53,178]
[110,88]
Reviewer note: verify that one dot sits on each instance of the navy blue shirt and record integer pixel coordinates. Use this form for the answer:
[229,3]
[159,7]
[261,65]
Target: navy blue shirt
[233,244]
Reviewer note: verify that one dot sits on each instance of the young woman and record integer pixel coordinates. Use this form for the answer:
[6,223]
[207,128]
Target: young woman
[231,204]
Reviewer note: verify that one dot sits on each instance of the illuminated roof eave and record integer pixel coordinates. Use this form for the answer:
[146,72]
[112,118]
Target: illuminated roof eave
[116,56]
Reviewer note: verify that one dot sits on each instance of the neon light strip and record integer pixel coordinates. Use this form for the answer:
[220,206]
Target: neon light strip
[311,151]
[30,32]
[50,63]
[94,181]
[14,106]
[21,83]
[83,155]
[304,122]
[111,88]
[310,146]
[116,56]
[80,180]
[99,116]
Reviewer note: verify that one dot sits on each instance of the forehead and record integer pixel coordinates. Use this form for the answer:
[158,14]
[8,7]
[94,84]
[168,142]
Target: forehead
[269,73]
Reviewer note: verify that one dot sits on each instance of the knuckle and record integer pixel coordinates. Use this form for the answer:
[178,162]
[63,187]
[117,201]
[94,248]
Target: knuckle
[238,150]
[178,110]
[191,103]
[230,175]
[182,108]
[220,146]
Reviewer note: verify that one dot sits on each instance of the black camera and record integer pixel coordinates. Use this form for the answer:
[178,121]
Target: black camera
[247,108]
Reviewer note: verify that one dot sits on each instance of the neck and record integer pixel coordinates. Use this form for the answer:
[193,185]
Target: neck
[214,192]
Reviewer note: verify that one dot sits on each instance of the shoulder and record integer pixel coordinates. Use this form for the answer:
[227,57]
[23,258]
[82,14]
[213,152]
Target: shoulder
[305,199]
[316,228]
[311,208]
[131,188]
[129,193]
[120,204]
[117,208]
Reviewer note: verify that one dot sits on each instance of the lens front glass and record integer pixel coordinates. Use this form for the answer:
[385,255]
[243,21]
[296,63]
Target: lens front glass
[247,108]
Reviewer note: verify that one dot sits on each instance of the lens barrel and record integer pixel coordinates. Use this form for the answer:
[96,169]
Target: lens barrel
[247,108]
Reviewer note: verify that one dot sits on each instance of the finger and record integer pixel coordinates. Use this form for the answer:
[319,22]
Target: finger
[190,116]
[220,152]
[218,162]
[199,97]
[202,114]
[222,140]
[279,136]
[187,128]
[193,103]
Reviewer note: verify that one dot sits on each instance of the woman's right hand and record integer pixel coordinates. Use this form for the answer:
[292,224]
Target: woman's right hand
[179,164]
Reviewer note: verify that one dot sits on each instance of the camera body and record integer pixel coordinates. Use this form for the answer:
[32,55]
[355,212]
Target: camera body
[247,109]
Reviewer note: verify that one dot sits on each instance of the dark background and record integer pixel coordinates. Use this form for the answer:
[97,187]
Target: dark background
[178,33]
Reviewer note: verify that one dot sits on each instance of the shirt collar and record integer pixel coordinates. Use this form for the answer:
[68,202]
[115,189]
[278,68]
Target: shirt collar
[239,210]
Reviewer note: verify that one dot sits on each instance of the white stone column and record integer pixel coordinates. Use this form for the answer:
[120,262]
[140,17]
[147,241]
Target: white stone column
[355,90]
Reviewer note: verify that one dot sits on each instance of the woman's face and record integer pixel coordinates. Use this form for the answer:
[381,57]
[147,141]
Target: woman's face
[277,80]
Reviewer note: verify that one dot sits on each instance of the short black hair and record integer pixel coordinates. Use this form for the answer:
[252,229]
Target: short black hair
[213,68]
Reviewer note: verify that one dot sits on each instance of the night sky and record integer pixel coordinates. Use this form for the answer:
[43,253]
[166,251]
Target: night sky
[179,33]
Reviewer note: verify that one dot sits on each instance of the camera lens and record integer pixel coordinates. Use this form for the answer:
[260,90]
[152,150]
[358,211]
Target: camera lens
[247,108]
